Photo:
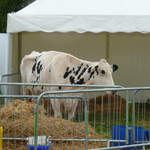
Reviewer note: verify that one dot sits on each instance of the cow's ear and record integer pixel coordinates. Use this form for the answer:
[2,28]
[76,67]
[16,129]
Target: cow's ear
[115,67]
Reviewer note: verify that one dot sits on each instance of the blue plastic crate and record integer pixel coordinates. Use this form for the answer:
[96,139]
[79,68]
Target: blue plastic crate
[40,147]
[147,135]
[119,132]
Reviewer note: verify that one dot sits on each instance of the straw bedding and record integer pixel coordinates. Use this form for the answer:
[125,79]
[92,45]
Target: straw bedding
[17,118]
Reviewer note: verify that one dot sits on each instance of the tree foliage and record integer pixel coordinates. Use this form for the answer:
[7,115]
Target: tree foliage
[8,6]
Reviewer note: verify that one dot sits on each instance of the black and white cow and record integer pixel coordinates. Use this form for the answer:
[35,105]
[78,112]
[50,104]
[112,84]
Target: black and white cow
[62,68]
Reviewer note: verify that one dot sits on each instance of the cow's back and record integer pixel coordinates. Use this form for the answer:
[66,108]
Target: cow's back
[56,66]
[47,59]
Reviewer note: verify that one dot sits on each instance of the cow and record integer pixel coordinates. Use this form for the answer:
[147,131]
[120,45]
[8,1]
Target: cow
[55,67]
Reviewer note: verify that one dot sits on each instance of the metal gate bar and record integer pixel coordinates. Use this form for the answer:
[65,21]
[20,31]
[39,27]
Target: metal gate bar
[134,111]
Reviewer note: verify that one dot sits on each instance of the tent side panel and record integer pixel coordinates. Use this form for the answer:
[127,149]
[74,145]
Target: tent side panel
[86,46]
[131,52]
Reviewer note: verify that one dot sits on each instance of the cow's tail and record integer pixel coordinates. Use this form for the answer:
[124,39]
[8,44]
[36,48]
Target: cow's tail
[29,58]
[26,62]
[32,56]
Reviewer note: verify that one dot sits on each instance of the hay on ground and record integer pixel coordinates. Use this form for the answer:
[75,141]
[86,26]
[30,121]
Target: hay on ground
[17,118]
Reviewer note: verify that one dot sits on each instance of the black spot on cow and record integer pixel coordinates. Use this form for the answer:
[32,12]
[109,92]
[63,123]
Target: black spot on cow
[89,70]
[71,79]
[33,68]
[66,74]
[81,81]
[92,73]
[73,69]
[96,69]
[82,72]
[39,67]
[78,69]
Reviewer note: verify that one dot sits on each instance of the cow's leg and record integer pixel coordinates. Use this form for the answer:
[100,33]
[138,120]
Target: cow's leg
[24,90]
[47,106]
[56,107]
[27,91]
[72,109]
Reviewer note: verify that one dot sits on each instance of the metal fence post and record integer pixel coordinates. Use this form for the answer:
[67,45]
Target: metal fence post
[36,121]
[127,115]
[133,113]
[86,120]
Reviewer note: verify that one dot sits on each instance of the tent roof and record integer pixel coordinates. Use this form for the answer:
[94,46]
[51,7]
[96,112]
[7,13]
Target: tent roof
[82,16]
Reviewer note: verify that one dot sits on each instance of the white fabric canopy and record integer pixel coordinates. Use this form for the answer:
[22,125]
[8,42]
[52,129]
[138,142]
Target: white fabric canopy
[82,16]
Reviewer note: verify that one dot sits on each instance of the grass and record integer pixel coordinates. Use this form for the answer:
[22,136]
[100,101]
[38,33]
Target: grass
[103,124]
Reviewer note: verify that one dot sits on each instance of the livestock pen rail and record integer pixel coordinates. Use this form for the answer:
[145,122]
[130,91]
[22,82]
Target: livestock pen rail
[105,118]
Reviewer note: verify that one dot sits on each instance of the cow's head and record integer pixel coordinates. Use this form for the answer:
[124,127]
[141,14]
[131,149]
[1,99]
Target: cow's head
[103,73]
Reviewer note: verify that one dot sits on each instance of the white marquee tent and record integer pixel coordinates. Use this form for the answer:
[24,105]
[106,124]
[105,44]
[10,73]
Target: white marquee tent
[115,29]
[82,16]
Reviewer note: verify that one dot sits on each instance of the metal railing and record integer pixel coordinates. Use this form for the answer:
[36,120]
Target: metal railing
[101,120]
[135,90]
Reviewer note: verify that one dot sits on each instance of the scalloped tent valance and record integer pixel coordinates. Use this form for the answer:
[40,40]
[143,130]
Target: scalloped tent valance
[82,16]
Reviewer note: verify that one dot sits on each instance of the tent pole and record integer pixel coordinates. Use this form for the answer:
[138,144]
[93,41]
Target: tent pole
[19,49]
[107,46]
